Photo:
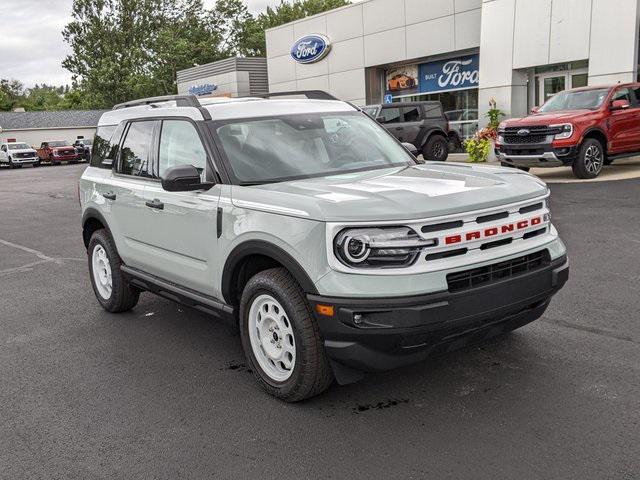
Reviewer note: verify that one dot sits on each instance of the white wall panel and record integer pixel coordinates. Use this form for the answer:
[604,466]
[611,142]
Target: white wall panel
[496,43]
[431,37]
[315,83]
[346,55]
[464,5]
[279,41]
[347,85]
[306,70]
[421,10]
[281,69]
[385,47]
[382,15]
[467,29]
[345,23]
[532,27]
[613,37]
[317,24]
[570,28]
[283,87]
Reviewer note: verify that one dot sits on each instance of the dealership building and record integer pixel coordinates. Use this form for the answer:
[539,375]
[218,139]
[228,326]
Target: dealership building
[461,52]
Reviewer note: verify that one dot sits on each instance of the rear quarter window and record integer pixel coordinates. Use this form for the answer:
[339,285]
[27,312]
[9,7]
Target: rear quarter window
[433,111]
[105,145]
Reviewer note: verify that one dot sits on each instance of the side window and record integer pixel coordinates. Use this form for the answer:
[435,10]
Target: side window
[636,92]
[3,148]
[411,114]
[104,151]
[180,144]
[622,94]
[432,110]
[135,154]
[391,115]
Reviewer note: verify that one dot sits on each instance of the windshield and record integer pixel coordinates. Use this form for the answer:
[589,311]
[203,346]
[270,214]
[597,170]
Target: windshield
[308,145]
[19,146]
[576,100]
[59,143]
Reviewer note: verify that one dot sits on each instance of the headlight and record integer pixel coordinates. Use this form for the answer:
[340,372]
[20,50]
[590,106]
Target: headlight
[566,130]
[379,247]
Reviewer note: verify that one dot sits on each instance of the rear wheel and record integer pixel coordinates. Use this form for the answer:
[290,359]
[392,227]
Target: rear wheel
[590,159]
[436,149]
[281,339]
[109,284]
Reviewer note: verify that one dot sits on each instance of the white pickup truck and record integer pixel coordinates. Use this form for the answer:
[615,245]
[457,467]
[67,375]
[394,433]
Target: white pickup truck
[17,154]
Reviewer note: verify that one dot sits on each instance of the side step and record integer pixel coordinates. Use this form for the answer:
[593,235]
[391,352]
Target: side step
[183,295]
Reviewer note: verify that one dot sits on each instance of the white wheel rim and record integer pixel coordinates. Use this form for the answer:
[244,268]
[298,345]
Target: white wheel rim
[271,336]
[102,272]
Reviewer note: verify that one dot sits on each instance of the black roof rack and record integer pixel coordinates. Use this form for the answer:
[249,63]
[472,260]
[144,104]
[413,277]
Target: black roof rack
[181,101]
[310,94]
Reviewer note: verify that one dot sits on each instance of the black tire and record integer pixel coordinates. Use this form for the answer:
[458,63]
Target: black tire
[436,149]
[11,164]
[311,373]
[590,159]
[37,164]
[123,296]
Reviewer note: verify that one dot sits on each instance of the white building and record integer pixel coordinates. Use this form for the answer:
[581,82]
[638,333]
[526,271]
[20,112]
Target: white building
[37,127]
[462,52]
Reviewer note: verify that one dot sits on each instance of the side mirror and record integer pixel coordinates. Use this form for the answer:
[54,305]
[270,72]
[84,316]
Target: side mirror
[183,178]
[380,119]
[619,105]
[411,148]
[535,109]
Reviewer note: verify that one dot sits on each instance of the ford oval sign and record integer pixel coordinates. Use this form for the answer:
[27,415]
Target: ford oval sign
[310,49]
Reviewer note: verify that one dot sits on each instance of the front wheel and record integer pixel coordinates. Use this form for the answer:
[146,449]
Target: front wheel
[281,339]
[109,284]
[436,149]
[590,159]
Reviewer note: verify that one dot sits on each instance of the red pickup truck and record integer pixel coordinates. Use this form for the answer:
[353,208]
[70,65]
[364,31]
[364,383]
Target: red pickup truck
[57,151]
[585,128]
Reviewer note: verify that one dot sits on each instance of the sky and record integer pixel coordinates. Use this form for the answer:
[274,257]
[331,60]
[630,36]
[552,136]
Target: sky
[31,43]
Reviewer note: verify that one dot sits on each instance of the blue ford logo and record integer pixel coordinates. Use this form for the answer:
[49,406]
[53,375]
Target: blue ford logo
[310,49]
[202,89]
[524,132]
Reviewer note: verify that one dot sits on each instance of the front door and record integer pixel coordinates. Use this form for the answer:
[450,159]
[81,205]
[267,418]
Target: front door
[623,124]
[180,227]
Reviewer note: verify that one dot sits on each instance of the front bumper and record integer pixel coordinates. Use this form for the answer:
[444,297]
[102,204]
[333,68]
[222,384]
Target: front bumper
[21,161]
[535,155]
[392,332]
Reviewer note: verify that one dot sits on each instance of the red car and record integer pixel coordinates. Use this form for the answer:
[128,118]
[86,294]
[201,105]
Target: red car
[57,151]
[585,128]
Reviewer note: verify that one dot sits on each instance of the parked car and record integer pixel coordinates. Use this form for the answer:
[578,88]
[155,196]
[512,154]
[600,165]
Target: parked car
[314,231]
[17,154]
[421,124]
[585,128]
[58,151]
[83,147]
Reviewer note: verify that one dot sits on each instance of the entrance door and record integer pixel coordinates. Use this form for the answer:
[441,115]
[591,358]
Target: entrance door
[552,84]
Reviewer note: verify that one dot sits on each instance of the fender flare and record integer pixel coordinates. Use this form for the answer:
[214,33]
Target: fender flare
[89,214]
[267,249]
[431,133]
[598,130]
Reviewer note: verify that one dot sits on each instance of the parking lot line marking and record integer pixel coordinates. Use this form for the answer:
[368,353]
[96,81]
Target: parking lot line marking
[22,268]
[30,250]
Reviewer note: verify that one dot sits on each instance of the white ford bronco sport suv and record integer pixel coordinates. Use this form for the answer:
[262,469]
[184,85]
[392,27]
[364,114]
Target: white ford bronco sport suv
[304,221]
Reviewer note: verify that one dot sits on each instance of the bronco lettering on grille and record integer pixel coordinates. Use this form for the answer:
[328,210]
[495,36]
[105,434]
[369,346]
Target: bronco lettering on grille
[491,231]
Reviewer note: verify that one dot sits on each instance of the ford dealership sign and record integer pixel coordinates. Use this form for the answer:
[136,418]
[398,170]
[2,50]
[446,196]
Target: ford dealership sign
[205,89]
[310,49]
[453,74]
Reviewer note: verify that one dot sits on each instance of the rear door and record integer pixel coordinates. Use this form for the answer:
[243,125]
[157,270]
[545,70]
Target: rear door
[624,134]
[180,228]
[124,191]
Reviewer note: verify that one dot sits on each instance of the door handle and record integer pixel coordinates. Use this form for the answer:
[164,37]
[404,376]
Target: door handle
[155,203]
[109,195]
[399,128]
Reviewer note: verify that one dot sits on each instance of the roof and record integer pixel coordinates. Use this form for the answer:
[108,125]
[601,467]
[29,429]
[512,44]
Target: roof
[223,108]
[61,119]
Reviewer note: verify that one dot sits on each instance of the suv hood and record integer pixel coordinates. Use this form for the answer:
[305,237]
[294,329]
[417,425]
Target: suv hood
[547,118]
[406,193]
[21,150]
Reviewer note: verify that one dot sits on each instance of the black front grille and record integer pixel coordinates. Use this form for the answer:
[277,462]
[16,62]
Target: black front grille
[533,130]
[527,139]
[523,151]
[499,271]
[24,155]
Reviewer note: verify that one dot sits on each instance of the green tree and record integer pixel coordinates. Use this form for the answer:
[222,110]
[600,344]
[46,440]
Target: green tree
[253,36]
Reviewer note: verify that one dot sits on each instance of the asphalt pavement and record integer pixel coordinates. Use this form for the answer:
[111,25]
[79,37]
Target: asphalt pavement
[163,391]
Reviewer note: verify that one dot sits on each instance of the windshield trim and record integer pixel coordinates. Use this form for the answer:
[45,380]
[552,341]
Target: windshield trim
[234,180]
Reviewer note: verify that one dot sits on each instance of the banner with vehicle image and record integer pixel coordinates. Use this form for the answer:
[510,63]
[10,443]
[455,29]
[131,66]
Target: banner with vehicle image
[402,80]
